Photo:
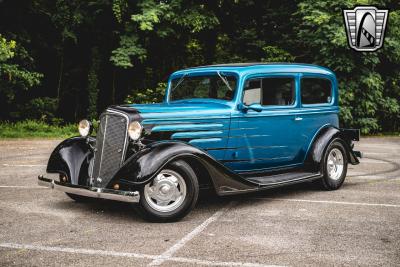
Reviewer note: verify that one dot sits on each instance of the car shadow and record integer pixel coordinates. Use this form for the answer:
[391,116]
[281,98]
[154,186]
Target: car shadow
[208,202]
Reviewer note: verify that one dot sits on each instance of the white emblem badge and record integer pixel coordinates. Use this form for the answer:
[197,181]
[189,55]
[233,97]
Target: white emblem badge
[365,27]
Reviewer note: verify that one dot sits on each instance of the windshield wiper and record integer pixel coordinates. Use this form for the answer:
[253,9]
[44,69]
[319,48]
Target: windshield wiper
[179,82]
[224,80]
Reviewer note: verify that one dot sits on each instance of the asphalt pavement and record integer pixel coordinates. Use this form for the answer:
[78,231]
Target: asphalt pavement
[300,225]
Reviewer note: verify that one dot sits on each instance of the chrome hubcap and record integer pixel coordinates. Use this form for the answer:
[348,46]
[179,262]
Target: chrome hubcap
[166,192]
[335,164]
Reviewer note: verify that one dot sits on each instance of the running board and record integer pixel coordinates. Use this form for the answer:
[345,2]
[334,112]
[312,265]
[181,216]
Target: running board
[283,178]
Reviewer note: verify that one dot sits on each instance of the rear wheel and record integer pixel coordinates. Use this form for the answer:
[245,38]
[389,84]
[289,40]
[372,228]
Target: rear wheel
[334,166]
[171,194]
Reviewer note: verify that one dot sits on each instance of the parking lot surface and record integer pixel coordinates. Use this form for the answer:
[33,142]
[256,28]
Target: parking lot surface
[292,226]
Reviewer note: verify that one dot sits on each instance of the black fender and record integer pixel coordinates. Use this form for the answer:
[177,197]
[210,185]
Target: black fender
[324,137]
[144,165]
[71,158]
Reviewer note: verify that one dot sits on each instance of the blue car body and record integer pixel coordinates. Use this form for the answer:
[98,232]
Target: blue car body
[231,145]
[248,141]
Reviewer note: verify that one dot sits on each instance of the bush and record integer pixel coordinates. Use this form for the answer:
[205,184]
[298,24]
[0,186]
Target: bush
[147,96]
[39,109]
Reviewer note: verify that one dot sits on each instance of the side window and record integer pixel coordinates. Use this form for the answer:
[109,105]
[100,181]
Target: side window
[316,91]
[272,91]
[252,92]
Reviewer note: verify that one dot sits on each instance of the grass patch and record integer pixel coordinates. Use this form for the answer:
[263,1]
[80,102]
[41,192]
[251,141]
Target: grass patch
[31,129]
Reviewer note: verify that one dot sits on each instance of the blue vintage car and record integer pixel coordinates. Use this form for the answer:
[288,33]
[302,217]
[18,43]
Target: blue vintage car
[237,128]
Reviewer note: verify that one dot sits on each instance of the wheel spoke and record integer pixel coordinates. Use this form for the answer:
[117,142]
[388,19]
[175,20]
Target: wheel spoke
[163,202]
[174,180]
[176,195]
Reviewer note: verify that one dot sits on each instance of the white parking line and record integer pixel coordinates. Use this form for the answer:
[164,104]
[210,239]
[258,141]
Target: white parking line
[172,250]
[22,186]
[332,202]
[77,250]
[129,255]
[24,165]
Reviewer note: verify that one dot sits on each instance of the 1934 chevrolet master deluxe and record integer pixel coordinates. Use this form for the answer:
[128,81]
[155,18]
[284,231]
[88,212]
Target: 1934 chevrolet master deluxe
[235,127]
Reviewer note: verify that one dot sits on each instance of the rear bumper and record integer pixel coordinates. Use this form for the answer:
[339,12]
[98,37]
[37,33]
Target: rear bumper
[93,192]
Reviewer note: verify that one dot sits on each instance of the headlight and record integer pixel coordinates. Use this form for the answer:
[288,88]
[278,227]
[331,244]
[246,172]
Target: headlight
[84,127]
[135,130]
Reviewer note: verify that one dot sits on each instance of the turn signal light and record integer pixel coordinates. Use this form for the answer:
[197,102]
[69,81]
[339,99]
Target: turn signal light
[116,186]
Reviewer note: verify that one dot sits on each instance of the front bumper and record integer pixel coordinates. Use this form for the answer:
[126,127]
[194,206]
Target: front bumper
[93,192]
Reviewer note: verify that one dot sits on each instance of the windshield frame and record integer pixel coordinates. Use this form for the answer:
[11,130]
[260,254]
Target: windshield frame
[185,75]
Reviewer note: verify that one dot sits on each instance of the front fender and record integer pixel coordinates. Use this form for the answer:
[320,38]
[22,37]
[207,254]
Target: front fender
[147,163]
[71,158]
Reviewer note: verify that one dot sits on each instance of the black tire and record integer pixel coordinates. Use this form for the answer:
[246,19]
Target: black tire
[78,198]
[329,181]
[189,201]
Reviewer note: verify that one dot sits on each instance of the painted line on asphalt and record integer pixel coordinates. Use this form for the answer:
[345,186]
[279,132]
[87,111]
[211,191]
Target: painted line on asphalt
[373,161]
[196,231]
[22,186]
[24,165]
[129,255]
[374,177]
[331,202]
[77,250]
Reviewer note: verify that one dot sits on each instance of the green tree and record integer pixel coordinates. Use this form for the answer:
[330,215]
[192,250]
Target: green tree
[14,76]
[361,75]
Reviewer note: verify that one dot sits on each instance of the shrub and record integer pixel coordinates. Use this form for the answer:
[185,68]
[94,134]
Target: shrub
[147,96]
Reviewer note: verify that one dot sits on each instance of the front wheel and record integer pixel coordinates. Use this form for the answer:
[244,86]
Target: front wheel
[171,194]
[334,166]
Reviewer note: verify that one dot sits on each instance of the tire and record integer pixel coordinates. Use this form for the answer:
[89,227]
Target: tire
[78,198]
[334,166]
[171,195]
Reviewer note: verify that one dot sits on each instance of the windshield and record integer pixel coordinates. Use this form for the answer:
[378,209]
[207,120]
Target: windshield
[218,86]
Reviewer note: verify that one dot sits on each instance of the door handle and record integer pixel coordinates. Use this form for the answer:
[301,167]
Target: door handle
[298,118]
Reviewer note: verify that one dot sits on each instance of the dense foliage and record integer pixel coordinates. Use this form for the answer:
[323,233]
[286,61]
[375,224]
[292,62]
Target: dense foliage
[64,60]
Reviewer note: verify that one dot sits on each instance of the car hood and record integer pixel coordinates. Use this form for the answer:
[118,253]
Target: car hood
[205,125]
[182,110]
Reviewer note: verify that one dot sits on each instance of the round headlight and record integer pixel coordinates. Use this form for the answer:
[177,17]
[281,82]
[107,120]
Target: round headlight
[135,130]
[84,127]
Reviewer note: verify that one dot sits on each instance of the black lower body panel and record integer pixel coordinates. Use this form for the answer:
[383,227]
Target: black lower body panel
[282,178]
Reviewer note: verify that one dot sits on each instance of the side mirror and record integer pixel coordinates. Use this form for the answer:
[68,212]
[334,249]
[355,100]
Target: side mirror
[256,107]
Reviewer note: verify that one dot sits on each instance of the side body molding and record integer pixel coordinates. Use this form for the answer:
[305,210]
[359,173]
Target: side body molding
[147,163]
[324,137]
[71,158]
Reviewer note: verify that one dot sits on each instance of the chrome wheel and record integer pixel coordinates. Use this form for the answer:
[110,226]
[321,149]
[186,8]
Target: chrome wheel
[166,192]
[335,164]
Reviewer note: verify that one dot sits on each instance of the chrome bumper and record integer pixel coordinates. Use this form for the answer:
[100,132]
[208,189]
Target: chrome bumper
[94,192]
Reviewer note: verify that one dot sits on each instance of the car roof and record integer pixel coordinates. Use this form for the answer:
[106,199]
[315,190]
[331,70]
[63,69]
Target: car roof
[257,67]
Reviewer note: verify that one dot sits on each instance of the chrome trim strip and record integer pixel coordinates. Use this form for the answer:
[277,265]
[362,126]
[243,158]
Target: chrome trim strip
[94,192]
[102,147]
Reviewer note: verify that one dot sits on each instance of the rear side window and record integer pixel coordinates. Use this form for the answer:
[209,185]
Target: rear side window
[272,91]
[316,91]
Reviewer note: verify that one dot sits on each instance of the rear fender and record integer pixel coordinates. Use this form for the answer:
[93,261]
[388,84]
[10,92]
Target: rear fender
[323,139]
[71,158]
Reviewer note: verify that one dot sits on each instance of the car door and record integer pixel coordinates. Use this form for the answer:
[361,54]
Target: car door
[267,138]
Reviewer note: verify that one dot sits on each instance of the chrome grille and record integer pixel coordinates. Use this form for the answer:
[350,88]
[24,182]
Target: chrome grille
[111,142]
